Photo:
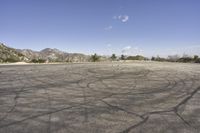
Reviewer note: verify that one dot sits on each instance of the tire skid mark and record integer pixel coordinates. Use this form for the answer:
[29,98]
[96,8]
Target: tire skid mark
[173,109]
[17,93]
[49,104]
[50,112]
[93,75]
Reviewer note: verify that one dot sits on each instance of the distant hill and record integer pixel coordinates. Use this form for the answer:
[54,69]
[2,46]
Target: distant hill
[8,54]
[30,54]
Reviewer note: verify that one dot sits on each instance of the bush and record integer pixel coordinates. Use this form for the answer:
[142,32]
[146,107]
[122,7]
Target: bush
[38,61]
[137,57]
[113,57]
[197,60]
[123,57]
[153,58]
[95,58]
[185,59]
[11,60]
[41,61]
[158,59]
[196,57]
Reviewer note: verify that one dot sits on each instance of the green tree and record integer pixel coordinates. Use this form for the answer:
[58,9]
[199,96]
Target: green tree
[122,57]
[38,61]
[153,58]
[95,58]
[196,57]
[41,61]
[113,57]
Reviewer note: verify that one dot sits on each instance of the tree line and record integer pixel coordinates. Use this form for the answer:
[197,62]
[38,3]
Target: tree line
[176,58]
[171,58]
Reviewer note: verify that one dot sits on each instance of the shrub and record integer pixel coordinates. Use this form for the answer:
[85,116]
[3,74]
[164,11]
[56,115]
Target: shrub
[158,58]
[197,60]
[95,58]
[196,57]
[113,57]
[137,57]
[11,60]
[38,61]
[122,57]
[185,59]
[153,58]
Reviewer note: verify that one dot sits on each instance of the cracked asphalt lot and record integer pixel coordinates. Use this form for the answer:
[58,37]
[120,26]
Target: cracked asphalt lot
[138,97]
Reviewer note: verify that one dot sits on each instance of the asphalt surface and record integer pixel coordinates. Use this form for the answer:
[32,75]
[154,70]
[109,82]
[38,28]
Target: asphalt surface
[139,97]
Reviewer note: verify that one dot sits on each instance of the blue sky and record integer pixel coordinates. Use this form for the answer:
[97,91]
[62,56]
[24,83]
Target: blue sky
[148,27]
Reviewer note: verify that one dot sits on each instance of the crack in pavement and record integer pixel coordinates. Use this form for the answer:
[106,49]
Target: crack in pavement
[175,110]
[96,91]
[118,108]
[17,93]
[184,101]
[36,116]
[134,126]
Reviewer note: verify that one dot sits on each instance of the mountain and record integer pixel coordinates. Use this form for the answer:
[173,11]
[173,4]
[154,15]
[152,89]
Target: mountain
[53,55]
[30,54]
[8,54]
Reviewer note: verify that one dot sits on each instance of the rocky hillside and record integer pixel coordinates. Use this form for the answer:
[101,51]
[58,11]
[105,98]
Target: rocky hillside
[8,54]
[30,54]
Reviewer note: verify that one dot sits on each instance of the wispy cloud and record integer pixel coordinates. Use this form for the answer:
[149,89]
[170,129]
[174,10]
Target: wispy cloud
[129,50]
[126,49]
[108,28]
[122,18]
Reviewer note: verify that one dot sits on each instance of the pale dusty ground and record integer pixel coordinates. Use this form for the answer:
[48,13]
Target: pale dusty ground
[16,63]
[139,97]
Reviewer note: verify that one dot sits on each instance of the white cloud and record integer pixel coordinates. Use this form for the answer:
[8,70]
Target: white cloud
[128,50]
[125,18]
[108,28]
[122,18]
